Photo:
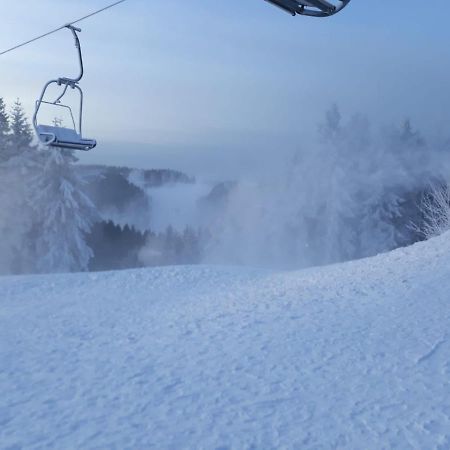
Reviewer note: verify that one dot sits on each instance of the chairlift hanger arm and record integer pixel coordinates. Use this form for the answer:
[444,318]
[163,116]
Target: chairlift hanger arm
[73,81]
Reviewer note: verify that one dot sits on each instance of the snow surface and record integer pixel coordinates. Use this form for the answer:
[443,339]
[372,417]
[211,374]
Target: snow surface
[351,356]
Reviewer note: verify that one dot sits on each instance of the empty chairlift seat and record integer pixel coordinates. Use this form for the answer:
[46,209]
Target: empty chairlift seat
[61,137]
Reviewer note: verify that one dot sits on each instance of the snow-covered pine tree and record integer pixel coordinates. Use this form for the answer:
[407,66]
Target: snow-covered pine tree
[380,200]
[412,156]
[380,231]
[63,214]
[170,245]
[21,134]
[4,130]
[6,202]
[17,161]
[342,145]
[409,170]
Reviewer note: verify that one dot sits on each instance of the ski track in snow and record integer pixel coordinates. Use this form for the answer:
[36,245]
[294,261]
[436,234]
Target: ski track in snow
[351,356]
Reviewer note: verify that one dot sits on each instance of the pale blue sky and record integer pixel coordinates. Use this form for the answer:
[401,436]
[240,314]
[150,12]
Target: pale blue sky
[200,84]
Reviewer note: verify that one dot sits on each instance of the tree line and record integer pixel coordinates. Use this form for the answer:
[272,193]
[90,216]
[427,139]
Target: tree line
[51,213]
[353,195]
[353,192]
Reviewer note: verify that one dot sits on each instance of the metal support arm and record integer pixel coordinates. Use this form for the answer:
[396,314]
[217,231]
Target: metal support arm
[73,81]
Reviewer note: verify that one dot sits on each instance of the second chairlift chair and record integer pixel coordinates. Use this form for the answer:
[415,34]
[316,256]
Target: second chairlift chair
[314,8]
[57,136]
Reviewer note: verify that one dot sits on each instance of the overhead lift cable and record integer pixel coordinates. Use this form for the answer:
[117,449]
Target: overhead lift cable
[72,138]
[62,27]
[317,8]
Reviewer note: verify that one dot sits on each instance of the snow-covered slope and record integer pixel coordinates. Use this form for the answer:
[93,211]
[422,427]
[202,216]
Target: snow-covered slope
[351,356]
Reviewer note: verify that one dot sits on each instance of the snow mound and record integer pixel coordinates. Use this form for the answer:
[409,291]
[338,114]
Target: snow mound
[354,356]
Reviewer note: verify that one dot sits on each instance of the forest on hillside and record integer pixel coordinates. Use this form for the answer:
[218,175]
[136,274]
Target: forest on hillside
[355,193]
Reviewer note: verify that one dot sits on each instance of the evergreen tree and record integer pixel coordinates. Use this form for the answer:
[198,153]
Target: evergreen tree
[337,200]
[331,127]
[4,124]
[63,213]
[4,133]
[379,227]
[21,134]
[191,253]
[410,155]
[170,245]
[16,165]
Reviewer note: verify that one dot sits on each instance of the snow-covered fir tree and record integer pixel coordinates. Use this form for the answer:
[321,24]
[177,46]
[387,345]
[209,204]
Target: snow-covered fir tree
[21,134]
[410,155]
[378,228]
[340,149]
[4,130]
[63,215]
[17,162]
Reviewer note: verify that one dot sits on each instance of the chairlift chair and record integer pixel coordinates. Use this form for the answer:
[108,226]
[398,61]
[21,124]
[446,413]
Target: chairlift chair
[59,136]
[314,8]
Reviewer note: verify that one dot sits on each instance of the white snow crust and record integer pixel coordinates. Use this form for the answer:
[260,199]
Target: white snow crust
[351,356]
